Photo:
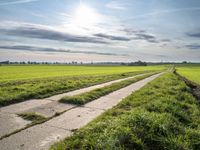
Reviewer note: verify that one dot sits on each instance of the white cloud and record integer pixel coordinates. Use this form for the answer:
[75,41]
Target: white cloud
[116,5]
[16,2]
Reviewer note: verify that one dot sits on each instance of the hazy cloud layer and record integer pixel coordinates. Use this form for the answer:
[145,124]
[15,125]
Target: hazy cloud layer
[194,35]
[45,49]
[162,12]
[146,37]
[193,46]
[130,31]
[112,37]
[12,2]
[116,5]
[39,32]
[143,35]
[49,33]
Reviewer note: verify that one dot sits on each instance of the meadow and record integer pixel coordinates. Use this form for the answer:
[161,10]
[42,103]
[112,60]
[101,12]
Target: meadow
[24,72]
[22,82]
[162,115]
[191,72]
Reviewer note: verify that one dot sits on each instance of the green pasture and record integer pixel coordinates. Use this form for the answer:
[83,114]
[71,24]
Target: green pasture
[21,72]
[191,72]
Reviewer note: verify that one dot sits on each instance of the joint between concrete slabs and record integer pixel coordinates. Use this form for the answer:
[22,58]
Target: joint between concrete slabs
[59,127]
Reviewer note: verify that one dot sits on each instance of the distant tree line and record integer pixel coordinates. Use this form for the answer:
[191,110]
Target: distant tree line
[136,63]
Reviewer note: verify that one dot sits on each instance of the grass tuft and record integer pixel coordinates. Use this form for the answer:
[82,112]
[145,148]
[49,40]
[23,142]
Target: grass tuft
[35,118]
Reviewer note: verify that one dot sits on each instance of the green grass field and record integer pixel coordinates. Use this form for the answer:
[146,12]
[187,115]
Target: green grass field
[19,83]
[162,115]
[21,72]
[191,72]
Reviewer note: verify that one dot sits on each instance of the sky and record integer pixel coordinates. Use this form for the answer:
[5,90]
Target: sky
[100,30]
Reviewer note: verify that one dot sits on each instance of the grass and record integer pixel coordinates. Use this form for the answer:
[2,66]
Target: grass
[97,93]
[28,72]
[33,117]
[15,91]
[191,72]
[162,115]
[22,82]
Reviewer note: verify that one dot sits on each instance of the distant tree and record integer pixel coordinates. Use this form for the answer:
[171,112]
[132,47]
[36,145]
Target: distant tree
[138,63]
[22,62]
[4,62]
[184,62]
[123,64]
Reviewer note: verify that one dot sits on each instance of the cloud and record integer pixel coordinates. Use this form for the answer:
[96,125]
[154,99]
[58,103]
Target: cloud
[167,11]
[130,31]
[136,35]
[147,37]
[116,5]
[165,40]
[193,46]
[45,49]
[45,32]
[112,37]
[143,35]
[16,2]
[194,35]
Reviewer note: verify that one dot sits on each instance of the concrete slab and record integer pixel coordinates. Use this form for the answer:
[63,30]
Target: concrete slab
[50,109]
[10,123]
[23,106]
[75,118]
[39,137]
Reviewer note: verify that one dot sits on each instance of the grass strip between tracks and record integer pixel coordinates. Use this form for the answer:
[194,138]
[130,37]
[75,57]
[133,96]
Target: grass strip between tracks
[99,92]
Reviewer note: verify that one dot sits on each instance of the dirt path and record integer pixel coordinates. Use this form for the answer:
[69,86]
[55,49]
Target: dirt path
[42,136]
[47,107]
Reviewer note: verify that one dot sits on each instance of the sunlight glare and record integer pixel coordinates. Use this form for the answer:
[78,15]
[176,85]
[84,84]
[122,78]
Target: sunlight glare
[85,16]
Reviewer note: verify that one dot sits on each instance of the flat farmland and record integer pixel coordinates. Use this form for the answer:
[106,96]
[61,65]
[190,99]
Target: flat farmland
[23,82]
[21,72]
[191,72]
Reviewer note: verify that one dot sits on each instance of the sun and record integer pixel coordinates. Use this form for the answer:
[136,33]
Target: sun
[85,16]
